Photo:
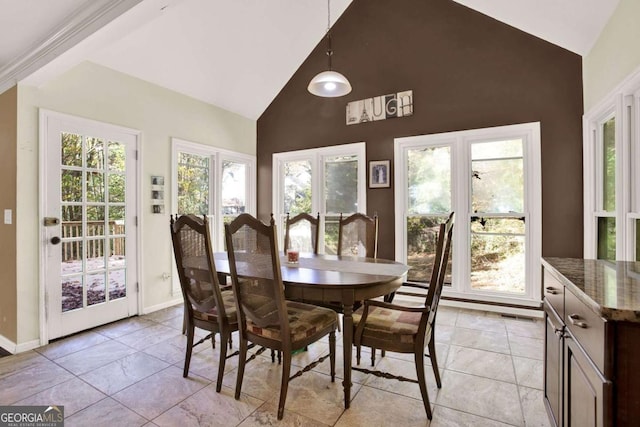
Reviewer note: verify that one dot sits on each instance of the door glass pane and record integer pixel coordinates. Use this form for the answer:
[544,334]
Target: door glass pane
[95,221]
[95,187]
[609,165]
[71,293]
[117,285]
[341,184]
[116,220]
[234,198]
[95,153]
[96,288]
[429,180]
[116,156]
[71,221]
[71,185]
[497,177]
[422,235]
[193,184]
[71,147]
[72,256]
[95,254]
[297,186]
[607,238]
[116,188]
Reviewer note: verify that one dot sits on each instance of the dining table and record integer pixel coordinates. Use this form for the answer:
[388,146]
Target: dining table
[335,280]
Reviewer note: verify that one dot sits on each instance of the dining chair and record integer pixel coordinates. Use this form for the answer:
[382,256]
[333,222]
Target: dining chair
[392,327]
[358,235]
[265,317]
[207,306]
[308,230]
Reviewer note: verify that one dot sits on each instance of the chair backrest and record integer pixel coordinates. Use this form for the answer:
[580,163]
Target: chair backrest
[358,235]
[195,263]
[302,233]
[254,263]
[443,249]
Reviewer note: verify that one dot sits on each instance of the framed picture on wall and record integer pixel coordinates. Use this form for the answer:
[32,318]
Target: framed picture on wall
[379,174]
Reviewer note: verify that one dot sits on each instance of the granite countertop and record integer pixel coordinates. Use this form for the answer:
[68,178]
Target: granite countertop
[610,288]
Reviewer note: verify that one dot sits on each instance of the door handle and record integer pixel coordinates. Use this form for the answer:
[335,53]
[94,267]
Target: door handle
[55,240]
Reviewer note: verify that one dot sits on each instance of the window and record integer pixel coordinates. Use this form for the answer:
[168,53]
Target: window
[491,179]
[329,180]
[611,176]
[213,182]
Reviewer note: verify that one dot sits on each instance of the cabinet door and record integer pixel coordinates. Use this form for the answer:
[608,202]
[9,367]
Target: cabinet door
[553,348]
[586,394]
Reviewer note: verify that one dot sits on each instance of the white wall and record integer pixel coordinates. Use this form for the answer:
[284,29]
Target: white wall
[98,93]
[615,55]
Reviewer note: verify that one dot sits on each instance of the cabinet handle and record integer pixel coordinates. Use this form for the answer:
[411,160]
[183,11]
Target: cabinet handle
[574,319]
[551,290]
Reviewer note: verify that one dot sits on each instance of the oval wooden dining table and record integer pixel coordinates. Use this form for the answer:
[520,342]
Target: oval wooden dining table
[336,280]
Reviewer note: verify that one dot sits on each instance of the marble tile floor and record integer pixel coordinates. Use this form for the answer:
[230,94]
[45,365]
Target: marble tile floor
[129,373]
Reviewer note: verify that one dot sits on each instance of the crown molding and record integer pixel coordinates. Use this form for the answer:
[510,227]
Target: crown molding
[92,16]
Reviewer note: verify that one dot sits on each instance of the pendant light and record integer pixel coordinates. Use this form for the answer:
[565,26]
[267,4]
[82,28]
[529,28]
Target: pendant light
[329,83]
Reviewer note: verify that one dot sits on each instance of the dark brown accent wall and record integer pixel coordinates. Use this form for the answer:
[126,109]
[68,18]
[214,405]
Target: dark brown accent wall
[8,170]
[466,71]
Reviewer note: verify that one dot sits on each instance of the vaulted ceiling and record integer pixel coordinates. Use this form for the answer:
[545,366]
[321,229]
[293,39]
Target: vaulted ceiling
[216,50]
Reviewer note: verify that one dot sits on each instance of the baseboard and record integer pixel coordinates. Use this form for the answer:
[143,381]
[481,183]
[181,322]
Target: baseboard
[147,310]
[7,344]
[26,346]
[516,311]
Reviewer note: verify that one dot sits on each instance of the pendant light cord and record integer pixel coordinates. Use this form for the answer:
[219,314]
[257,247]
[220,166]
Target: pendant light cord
[329,50]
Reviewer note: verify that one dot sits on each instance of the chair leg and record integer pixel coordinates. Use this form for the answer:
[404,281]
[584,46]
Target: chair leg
[187,358]
[223,358]
[184,322]
[332,355]
[241,363]
[358,354]
[284,384]
[373,356]
[434,362]
[419,359]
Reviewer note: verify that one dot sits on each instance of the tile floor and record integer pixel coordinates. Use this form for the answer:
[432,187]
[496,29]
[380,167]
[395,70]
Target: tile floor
[129,373]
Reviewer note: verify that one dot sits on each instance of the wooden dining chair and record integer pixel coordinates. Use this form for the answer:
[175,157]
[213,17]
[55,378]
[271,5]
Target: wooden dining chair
[207,306]
[358,235]
[308,227]
[401,329]
[265,317]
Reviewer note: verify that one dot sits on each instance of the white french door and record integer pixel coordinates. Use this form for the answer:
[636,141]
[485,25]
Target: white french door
[88,222]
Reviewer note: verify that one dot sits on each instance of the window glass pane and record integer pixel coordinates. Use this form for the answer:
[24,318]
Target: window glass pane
[637,239]
[498,254]
[233,188]
[497,262]
[497,184]
[331,234]
[297,186]
[496,149]
[609,165]
[193,184]
[71,148]
[341,184]
[422,235]
[607,238]
[429,180]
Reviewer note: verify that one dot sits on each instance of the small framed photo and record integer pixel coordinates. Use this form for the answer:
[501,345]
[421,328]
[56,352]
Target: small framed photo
[157,180]
[379,174]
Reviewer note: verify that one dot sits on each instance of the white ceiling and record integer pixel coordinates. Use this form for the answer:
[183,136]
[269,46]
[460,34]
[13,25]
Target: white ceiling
[215,50]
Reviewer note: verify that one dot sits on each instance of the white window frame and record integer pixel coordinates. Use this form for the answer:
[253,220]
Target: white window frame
[624,103]
[317,156]
[217,156]
[460,144]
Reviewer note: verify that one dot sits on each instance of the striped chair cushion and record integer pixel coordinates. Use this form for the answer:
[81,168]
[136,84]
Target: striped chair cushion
[389,325]
[229,307]
[305,320]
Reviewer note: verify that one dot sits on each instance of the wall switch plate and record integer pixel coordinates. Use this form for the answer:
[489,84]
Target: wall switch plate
[7,216]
